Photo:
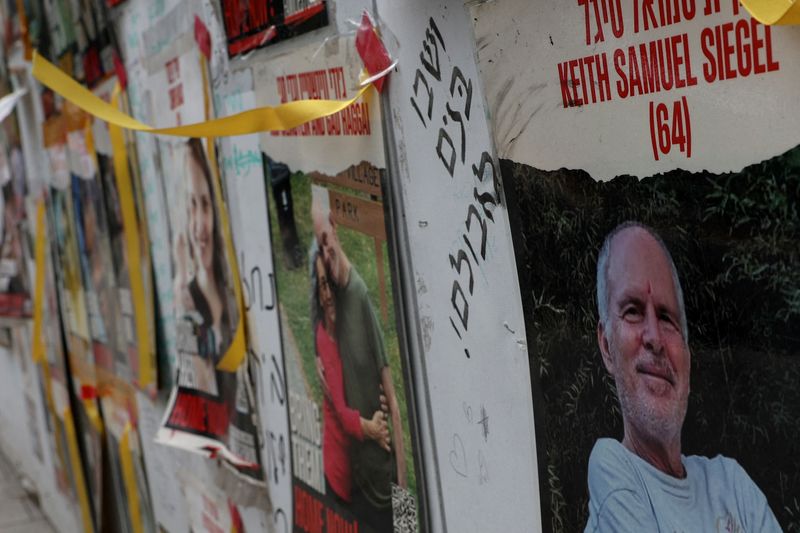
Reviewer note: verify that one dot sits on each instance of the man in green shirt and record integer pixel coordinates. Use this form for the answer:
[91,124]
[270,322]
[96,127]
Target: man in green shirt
[367,377]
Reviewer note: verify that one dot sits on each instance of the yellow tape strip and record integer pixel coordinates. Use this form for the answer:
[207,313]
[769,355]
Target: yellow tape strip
[282,117]
[130,224]
[90,404]
[774,11]
[37,350]
[77,471]
[235,353]
[129,477]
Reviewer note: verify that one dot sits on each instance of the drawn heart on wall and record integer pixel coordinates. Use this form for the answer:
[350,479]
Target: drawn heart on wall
[458,457]
[467,411]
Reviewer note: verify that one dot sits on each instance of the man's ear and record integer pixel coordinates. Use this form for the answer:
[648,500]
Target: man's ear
[331,220]
[602,342]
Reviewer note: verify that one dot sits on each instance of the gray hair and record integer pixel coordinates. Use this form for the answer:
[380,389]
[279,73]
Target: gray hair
[602,274]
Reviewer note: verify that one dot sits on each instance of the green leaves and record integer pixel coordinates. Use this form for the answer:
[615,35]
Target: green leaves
[735,239]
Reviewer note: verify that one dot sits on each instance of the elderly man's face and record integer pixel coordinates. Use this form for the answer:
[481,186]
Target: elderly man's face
[643,346]
[329,246]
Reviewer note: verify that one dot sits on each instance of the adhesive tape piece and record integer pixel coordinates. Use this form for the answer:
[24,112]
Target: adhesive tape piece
[37,350]
[282,117]
[130,224]
[774,12]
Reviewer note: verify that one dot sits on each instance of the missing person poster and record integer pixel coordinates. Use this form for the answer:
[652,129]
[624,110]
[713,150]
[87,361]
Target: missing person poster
[94,247]
[206,399]
[351,447]
[137,370]
[85,437]
[132,17]
[56,391]
[97,202]
[54,381]
[15,248]
[651,166]
[210,409]
[68,479]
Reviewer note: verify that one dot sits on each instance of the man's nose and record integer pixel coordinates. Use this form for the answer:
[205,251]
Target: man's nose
[651,335]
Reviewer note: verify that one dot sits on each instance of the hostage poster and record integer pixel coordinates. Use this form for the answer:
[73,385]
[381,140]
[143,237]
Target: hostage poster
[652,166]
[124,268]
[87,433]
[69,483]
[352,452]
[15,251]
[210,408]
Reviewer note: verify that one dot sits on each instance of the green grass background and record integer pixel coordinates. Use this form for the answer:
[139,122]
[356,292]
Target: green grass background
[293,291]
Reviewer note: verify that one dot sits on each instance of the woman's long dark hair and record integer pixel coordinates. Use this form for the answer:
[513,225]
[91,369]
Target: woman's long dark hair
[198,153]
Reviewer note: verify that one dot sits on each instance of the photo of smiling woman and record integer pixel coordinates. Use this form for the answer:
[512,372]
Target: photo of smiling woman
[201,288]
[206,401]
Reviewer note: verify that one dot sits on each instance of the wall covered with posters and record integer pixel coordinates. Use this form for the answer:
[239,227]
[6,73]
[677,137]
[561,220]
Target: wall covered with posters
[384,317]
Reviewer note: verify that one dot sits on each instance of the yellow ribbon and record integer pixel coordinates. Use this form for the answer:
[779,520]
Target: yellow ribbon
[37,350]
[131,226]
[93,414]
[77,471]
[129,477]
[282,117]
[771,12]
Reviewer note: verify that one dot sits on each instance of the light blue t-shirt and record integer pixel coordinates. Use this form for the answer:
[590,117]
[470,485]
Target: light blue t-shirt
[626,493]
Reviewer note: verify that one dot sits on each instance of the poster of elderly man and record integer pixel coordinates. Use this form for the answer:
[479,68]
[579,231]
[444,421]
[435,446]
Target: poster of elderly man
[351,444]
[655,207]
[351,409]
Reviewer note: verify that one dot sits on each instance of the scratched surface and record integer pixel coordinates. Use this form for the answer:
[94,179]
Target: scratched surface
[615,115]
[472,348]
